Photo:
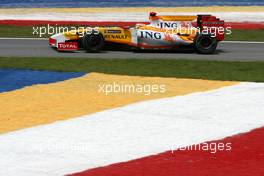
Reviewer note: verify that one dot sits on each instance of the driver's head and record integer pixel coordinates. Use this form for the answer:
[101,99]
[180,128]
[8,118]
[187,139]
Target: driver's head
[152,14]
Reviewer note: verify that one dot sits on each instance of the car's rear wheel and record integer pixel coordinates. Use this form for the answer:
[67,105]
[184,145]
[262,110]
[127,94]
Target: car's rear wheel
[205,44]
[93,42]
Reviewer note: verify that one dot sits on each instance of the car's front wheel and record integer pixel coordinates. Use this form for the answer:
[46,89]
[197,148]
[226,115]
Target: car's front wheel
[93,42]
[205,44]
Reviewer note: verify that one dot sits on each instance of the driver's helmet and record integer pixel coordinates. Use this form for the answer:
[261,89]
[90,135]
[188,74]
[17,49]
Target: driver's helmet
[152,16]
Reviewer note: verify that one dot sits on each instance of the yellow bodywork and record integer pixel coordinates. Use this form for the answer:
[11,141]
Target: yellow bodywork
[110,34]
[185,33]
[121,35]
[124,35]
[173,18]
[116,34]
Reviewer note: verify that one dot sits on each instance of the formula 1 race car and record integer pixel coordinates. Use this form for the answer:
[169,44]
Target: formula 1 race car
[201,32]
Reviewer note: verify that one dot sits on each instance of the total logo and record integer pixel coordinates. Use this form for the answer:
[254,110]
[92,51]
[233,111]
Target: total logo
[68,46]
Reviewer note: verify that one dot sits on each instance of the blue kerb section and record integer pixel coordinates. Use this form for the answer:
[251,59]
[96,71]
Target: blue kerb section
[12,79]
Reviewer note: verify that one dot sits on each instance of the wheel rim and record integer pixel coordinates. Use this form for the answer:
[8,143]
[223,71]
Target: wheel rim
[94,40]
[206,43]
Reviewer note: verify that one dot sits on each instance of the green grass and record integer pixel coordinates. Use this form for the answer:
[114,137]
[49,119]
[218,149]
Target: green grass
[27,31]
[17,31]
[246,35]
[213,70]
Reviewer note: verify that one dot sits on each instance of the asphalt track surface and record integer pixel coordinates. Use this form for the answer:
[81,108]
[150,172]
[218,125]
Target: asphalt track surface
[230,51]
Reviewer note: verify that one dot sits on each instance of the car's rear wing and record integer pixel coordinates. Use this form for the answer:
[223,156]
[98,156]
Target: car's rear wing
[212,24]
[205,23]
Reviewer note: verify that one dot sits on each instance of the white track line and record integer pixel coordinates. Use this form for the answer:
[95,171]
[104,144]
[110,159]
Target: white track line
[125,16]
[132,132]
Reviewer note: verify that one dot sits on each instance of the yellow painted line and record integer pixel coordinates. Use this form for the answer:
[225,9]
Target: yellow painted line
[139,9]
[43,104]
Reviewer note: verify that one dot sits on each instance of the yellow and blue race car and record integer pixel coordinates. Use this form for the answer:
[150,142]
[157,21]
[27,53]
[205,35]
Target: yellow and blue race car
[201,32]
